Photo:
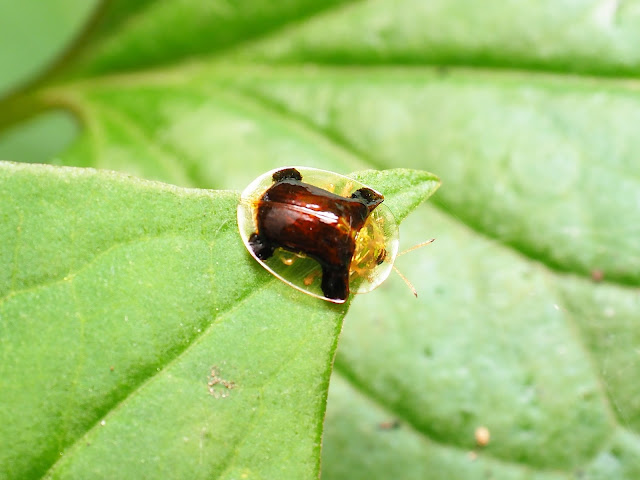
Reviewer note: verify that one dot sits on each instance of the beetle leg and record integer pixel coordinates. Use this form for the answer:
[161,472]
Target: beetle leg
[286,174]
[335,282]
[261,248]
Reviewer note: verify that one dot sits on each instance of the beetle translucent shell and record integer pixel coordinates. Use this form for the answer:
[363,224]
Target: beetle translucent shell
[322,233]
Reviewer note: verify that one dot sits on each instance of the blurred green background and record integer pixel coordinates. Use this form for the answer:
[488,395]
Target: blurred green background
[34,35]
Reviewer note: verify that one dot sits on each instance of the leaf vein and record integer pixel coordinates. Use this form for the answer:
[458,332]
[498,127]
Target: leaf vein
[343,371]
[72,274]
[143,384]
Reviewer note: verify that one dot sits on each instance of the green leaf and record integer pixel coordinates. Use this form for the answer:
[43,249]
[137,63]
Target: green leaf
[184,30]
[527,318]
[139,338]
[543,360]
[35,34]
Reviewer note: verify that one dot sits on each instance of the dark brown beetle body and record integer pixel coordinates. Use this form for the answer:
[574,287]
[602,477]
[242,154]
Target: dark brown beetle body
[309,220]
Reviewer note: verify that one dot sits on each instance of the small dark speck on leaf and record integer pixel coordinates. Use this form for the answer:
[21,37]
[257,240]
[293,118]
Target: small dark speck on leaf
[442,71]
[597,275]
[389,425]
[218,386]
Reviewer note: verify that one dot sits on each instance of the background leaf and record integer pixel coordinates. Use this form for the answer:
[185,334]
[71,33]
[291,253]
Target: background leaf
[33,34]
[527,318]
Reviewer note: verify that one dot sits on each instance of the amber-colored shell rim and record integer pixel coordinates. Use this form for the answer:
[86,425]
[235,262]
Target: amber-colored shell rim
[303,273]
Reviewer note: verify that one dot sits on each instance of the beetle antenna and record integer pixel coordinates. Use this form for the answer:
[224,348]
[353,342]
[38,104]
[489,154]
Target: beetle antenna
[406,280]
[415,247]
